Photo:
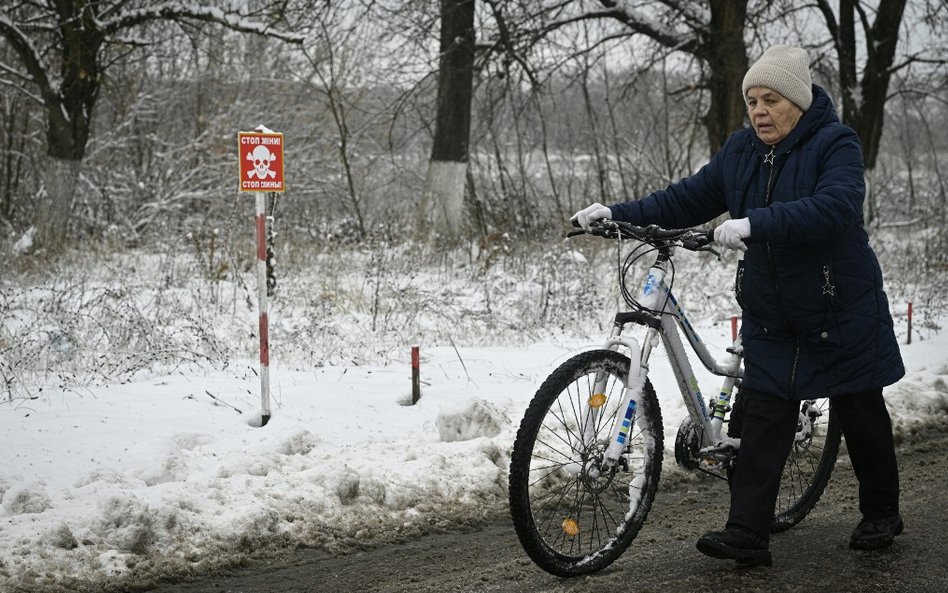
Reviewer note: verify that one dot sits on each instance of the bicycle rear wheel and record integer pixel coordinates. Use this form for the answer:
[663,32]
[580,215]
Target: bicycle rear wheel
[809,465]
[571,518]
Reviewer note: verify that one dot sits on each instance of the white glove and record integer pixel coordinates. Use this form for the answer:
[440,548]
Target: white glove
[731,233]
[591,214]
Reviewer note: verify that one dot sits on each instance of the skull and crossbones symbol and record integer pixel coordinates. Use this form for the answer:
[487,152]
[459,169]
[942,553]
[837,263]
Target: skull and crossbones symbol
[262,159]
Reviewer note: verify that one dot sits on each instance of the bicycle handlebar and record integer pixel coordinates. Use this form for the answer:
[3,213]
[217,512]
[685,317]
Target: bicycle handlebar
[691,239]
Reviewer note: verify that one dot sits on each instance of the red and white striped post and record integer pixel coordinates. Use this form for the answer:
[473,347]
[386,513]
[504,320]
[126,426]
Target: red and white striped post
[415,375]
[260,156]
[263,307]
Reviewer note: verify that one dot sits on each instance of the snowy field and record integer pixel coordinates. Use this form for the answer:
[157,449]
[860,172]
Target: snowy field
[162,472]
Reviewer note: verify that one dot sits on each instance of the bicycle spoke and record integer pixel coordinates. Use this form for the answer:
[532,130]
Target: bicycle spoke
[551,448]
[565,425]
[552,508]
[542,478]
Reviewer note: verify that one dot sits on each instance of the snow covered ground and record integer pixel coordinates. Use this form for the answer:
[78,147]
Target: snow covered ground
[168,475]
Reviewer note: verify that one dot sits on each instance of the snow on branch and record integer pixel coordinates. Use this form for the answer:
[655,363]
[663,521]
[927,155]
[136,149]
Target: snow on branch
[14,72]
[22,90]
[12,83]
[178,11]
[31,58]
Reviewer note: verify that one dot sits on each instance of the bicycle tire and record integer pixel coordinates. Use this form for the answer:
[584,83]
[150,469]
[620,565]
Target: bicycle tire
[808,467]
[569,521]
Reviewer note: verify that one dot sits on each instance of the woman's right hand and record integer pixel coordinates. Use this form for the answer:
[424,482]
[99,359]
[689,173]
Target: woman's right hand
[731,233]
[591,214]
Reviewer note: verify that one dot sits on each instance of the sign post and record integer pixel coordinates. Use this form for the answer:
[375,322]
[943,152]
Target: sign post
[261,171]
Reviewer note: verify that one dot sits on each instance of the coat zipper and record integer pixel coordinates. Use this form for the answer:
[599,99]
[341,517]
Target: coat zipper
[771,160]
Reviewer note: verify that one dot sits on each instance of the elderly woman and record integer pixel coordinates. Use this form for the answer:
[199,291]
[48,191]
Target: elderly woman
[816,321]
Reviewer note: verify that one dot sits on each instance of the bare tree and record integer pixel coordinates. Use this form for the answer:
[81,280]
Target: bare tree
[710,32]
[864,100]
[330,65]
[64,49]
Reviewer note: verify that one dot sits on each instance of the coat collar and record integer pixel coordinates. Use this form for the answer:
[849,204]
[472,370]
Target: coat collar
[820,113]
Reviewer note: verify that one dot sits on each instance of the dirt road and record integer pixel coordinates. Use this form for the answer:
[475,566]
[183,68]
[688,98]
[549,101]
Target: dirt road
[812,557]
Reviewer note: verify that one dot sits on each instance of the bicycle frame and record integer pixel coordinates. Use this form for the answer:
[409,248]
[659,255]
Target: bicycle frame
[664,317]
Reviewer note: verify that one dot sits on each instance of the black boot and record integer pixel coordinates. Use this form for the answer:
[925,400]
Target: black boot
[736,543]
[876,534]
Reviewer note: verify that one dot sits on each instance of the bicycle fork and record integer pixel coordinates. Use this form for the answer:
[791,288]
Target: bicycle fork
[593,409]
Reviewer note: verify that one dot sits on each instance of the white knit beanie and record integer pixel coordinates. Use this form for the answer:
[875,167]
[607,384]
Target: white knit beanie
[785,69]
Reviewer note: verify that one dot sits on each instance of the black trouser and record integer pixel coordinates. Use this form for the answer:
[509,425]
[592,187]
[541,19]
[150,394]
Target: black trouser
[769,425]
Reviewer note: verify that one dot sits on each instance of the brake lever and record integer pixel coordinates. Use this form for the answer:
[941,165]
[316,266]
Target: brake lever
[698,241]
[599,228]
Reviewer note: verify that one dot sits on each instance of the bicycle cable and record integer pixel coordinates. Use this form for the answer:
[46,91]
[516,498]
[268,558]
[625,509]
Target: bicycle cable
[637,253]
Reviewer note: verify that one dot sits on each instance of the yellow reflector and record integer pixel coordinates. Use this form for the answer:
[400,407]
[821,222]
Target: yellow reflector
[570,527]
[597,400]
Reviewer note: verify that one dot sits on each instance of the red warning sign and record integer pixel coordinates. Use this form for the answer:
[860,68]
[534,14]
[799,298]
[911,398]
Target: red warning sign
[261,161]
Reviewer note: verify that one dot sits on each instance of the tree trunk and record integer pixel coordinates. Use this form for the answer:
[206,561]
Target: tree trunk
[442,202]
[66,143]
[726,55]
[882,41]
[60,177]
[69,112]
[444,188]
[864,111]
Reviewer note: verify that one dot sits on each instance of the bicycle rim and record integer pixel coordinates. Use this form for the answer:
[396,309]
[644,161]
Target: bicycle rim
[571,518]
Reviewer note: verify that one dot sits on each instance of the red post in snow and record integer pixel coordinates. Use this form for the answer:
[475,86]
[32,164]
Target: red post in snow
[909,340]
[415,375]
[733,328]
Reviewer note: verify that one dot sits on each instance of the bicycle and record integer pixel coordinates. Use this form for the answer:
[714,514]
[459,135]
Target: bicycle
[588,454]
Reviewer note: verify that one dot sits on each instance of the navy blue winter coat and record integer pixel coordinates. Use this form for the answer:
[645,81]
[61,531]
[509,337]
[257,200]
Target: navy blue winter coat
[816,321]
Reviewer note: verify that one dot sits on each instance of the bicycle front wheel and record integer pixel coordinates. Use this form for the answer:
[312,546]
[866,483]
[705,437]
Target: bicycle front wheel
[809,465]
[572,515]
